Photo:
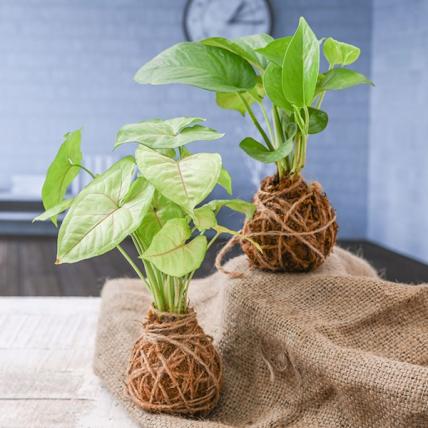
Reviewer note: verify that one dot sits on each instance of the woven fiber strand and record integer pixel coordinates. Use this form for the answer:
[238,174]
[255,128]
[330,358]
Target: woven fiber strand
[294,224]
[335,348]
[174,367]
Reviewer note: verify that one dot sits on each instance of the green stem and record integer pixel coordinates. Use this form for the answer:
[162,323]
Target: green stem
[256,122]
[83,168]
[266,117]
[322,95]
[133,265]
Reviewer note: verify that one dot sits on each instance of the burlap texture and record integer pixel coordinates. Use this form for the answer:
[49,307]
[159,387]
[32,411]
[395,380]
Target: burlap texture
[335,348]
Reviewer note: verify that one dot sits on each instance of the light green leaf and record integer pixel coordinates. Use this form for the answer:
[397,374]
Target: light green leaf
[161,210]
[187,182]
[245,47]
[273,87]
[340,53]
[340,78]
[318,120]
[225,180]
[105,212]
[54,211]
[61,172]
[166,134]
[275,50]
[301,66]
[193,63]
[232,101]
[259,152]
[170,252]
[204,218]
[239,205]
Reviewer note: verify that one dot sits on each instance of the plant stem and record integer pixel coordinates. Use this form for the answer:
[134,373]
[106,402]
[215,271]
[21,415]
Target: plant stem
[256,122]
[83,168]
[266,117]
[133,265]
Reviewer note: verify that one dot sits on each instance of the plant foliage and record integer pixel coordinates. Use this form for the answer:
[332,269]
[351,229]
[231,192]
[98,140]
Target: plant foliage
[247,71]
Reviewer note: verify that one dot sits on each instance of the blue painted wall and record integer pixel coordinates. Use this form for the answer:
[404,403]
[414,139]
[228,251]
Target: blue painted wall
[398,199]
[70,63]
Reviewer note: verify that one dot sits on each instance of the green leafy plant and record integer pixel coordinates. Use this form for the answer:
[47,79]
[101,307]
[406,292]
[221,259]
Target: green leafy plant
[153,197]
[248,70]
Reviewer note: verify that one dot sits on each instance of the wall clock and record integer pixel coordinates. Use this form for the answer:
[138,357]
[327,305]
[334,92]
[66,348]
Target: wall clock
[226,18]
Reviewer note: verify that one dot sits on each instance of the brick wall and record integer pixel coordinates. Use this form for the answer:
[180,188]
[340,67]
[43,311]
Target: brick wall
[398,144]
[70,63]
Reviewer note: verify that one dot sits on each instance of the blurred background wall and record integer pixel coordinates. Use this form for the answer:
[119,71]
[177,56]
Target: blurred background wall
[68,64]
[398,176]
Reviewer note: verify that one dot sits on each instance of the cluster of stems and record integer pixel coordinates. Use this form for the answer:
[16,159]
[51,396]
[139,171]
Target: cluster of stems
[274,133]
[169,293]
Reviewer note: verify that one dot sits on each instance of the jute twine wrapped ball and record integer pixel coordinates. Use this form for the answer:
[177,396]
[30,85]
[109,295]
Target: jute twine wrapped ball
[174,367]
[294,224]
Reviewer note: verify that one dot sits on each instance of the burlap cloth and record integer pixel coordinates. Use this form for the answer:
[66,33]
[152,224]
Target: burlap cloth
[336,348]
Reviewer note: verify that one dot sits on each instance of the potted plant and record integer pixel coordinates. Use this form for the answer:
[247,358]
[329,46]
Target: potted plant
[154,199]
[294,224]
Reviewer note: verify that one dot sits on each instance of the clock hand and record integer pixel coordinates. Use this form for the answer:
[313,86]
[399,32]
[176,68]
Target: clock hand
[236,13]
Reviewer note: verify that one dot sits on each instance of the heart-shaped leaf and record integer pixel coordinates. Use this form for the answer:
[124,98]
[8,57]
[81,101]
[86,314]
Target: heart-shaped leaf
[275,50]
[301,66]
[106,211]
[273,87]
[187,182]
[54,211]
[171,253]
[340,78]
[204,218]
[340,53]
[61,171]
[239,205]
[259,152]
[166,134]
[318,120]
[196,64]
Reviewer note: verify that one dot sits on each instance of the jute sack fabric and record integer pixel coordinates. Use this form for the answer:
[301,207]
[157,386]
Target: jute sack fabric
[335,348]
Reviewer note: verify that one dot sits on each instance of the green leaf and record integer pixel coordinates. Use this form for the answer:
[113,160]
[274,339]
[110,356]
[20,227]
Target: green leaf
[275,50]
[259,152]
[170,253]
[61,172]
[318,120]
[160,211]
[245,47]
[225,180]
[54,211]
[301,66]
[273,87]
[340,78]
[187,182]
[204,218]
[340,53]
[239,205]
[232,101]
[206,67]
[105,212]
[166,134]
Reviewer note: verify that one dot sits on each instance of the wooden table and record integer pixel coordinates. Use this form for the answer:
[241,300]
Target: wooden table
[46,378]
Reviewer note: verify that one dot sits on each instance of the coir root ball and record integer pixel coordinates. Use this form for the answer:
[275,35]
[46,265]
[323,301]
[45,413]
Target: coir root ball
[174,367]
[294,224]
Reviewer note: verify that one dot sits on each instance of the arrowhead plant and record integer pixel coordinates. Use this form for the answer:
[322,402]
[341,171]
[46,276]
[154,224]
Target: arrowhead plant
[281,74]
[156,198]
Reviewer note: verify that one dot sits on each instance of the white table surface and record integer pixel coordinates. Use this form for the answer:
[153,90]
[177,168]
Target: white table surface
[46,378]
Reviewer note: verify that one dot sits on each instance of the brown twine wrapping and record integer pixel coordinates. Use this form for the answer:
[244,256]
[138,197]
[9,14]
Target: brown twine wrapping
[174,367]
[294,226]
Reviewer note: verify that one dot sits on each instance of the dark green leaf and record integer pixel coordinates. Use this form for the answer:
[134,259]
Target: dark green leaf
[318,120]
[261,153]
[301,66]
[193,63]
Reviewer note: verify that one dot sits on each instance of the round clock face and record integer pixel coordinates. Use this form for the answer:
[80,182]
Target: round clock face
[226,18]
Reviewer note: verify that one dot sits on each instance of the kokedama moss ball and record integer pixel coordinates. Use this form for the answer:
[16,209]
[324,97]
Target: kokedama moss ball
[174,367]
[294,224]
